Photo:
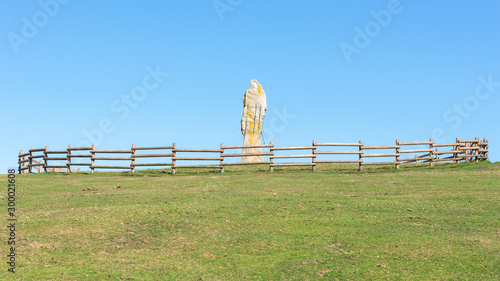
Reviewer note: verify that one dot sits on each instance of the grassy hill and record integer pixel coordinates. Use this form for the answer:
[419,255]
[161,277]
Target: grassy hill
[248,224]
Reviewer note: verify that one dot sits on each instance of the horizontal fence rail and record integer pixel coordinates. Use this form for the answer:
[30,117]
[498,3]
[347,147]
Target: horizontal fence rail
[224,153]
[401,153]
[303,149]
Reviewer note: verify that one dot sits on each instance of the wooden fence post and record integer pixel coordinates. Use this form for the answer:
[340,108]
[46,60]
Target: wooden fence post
[68,155]
[471,156]
[20,165]
[466,152]
[173,157]
[486,147]
[397,154]
[25,164]
[478,147]
[45,155]
[431,153]
[457,148]
[92,161]
[469,151]
[271,158]
[481,149]
[314,154]
[19,159]
[361,156]
[132,163]
[30,161]
[222,158]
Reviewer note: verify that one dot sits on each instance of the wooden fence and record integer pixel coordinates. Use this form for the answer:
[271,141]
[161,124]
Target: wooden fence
[461,150]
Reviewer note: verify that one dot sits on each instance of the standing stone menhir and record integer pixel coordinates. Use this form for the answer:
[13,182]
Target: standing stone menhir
[254,111]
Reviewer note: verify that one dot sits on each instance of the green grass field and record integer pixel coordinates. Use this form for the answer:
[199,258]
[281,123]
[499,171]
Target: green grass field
[415,223]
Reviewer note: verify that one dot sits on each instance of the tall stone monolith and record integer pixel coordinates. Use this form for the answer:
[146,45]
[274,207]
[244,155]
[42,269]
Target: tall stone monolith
[254,111]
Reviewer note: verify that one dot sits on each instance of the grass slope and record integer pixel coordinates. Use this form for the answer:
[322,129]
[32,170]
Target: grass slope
[416,223]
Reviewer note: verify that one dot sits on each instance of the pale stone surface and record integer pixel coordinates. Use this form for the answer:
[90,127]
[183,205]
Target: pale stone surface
[254,111]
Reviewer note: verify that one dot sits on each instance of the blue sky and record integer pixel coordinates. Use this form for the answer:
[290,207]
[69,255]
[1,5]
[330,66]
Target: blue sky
[333,71]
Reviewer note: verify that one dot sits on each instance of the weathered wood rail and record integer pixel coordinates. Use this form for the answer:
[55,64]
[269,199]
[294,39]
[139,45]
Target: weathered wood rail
[63,160]
[224,148]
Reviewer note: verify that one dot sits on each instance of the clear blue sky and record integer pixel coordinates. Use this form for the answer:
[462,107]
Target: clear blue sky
[375,71]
